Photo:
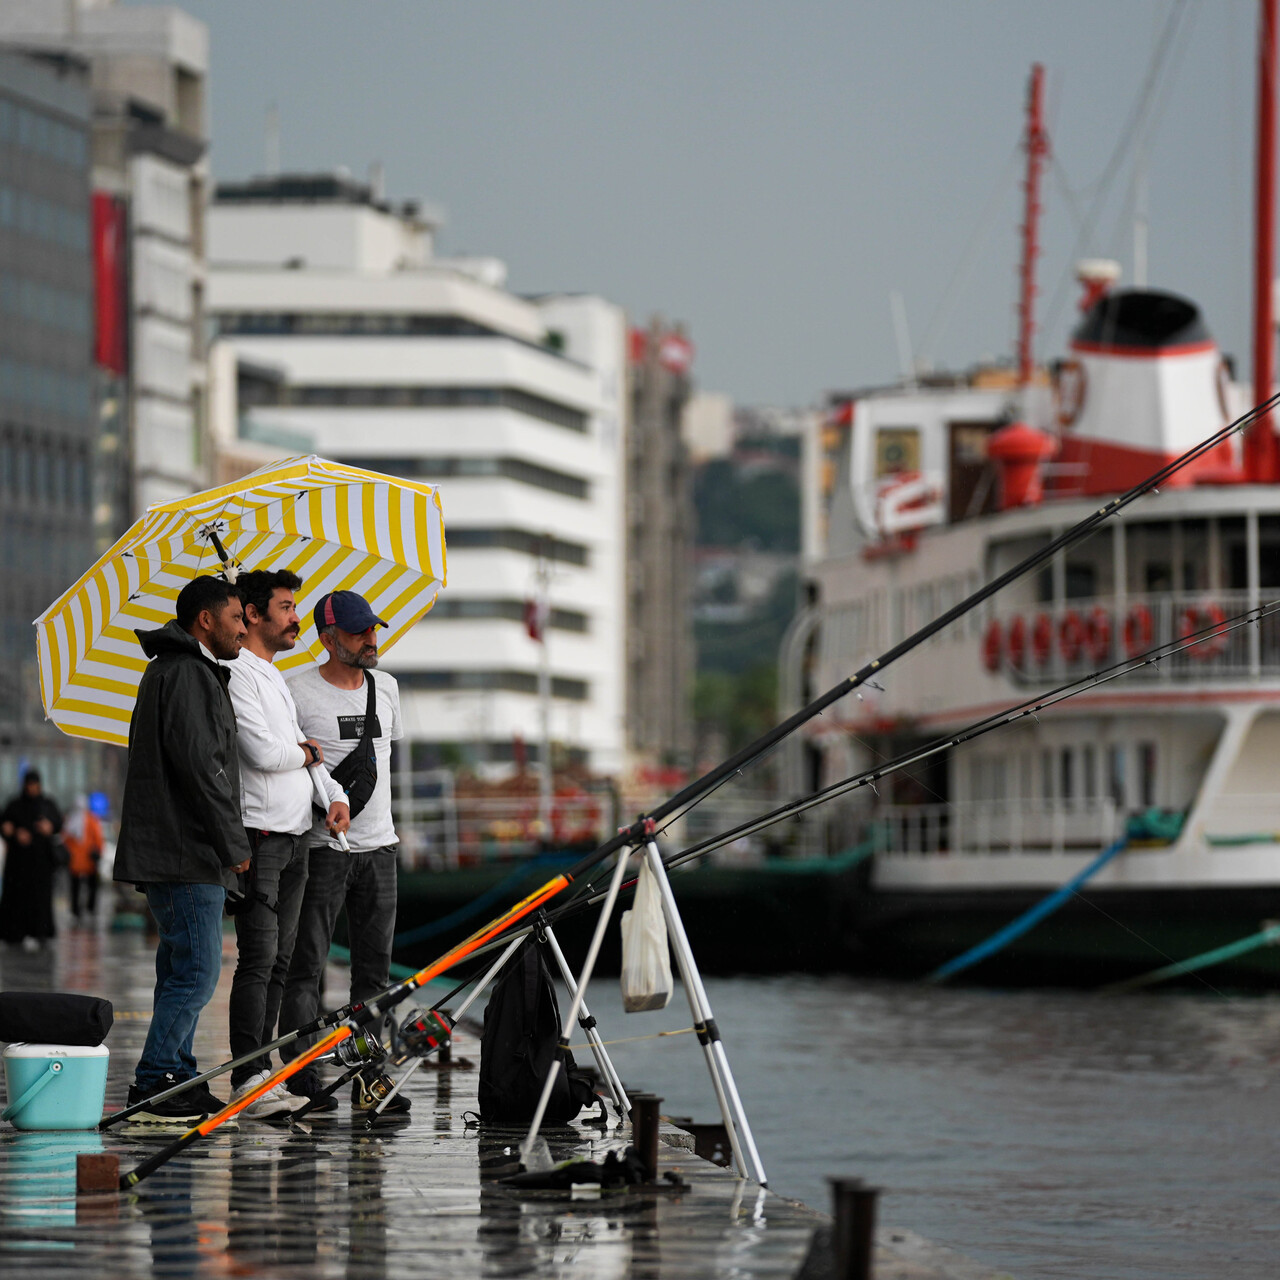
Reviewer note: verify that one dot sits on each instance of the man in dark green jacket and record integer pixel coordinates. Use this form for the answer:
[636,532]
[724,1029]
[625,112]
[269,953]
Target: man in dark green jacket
[181,838]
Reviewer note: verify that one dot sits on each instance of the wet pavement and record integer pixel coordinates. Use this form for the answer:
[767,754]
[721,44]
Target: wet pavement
[331,1198]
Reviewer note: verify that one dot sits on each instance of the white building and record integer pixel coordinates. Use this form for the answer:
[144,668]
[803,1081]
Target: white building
[148,66]
[339,332]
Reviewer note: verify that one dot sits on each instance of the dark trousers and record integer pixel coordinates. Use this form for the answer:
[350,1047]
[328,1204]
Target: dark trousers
[266,926]
[88,886]
[363,881]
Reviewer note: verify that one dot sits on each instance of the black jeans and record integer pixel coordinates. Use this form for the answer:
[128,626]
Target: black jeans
[88,885]
[365,882]
[266,926]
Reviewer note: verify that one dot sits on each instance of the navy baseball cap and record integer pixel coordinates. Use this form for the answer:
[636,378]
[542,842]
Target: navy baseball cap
[346,610]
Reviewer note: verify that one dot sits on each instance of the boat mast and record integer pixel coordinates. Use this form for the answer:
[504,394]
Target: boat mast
[1037,147]
[1260,451]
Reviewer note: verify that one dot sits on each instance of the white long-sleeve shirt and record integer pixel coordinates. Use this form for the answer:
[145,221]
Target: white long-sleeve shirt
[275,784]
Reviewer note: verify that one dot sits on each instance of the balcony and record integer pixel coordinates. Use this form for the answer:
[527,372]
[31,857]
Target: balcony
[1045,644]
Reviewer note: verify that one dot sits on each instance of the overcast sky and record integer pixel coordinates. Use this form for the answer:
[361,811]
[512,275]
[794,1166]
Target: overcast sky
[770,173]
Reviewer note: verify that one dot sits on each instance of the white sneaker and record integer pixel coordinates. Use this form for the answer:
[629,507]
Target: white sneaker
[275,1102]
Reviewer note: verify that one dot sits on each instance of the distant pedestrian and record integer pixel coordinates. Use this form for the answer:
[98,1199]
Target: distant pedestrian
[82,836]
[29,824]
[181,838]
[276,795]
[333,702]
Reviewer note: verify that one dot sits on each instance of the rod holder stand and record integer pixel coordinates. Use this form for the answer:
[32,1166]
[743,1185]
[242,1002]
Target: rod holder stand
[644,1131]
[853,1206]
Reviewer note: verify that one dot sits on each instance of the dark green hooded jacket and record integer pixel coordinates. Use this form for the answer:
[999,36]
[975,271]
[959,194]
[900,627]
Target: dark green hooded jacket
[180,820]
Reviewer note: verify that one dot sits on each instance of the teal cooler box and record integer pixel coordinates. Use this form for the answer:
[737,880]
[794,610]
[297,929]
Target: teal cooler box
[55,1086]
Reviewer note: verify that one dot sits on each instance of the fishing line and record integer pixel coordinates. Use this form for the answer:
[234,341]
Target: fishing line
[988,724]
[654,1035]
[999,719]
[1146,941]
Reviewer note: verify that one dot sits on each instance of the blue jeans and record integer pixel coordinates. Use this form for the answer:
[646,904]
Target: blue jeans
[188,962]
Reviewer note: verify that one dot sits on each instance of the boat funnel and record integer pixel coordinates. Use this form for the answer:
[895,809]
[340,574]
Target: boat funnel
[1145,382]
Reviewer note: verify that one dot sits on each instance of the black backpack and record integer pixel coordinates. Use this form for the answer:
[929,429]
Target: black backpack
[521,1032]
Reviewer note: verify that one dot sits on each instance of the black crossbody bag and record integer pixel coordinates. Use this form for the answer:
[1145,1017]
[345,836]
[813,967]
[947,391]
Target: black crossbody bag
[357,773]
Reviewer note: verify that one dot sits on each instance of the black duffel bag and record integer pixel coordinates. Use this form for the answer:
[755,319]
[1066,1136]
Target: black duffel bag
[52,1017]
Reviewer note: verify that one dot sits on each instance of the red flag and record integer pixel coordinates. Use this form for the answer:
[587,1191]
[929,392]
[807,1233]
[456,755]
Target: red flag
[535,619]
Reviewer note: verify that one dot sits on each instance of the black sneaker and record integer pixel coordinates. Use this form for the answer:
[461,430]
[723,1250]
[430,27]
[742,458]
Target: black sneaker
[307,1084]
[366,1095]
[186,1107]
[204,1097]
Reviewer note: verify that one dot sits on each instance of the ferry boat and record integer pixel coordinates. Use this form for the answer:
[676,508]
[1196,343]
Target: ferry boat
[936,486]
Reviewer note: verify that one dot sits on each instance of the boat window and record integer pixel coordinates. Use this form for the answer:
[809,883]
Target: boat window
[1088,782]
[897,450]
[1116,777]
[1068,792]
[1046,774]
[1081,581]
[1146,774]
[1157,576]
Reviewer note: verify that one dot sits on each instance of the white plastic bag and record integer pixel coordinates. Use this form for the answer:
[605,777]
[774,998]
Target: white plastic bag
[646,963]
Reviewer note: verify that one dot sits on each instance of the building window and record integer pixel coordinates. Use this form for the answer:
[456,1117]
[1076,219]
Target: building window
[509,609]
[491,681]
[432,469]
[417,397]
[530,544]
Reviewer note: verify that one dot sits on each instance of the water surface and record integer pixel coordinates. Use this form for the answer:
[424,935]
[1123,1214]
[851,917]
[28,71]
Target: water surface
[1051,1134]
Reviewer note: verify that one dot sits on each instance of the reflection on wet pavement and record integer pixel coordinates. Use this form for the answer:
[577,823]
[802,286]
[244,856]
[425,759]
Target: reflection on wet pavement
[333,1198]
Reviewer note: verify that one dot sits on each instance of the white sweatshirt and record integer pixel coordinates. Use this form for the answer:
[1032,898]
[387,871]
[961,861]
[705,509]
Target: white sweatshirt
[275,784]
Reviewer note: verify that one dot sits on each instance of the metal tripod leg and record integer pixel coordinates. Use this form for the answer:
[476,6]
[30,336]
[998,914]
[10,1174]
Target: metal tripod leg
[745,1155]
[588,1024]
[610,898]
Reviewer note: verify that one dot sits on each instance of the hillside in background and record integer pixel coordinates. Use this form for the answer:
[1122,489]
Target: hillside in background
[746,585]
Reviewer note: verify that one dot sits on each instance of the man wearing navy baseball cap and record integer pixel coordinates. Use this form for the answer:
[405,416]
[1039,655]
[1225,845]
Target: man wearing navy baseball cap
[354,717]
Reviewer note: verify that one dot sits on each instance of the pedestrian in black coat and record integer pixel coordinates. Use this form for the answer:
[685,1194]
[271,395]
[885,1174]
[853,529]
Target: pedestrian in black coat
[29,824]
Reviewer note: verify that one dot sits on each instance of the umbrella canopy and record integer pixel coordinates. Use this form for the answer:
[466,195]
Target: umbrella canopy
[336,527]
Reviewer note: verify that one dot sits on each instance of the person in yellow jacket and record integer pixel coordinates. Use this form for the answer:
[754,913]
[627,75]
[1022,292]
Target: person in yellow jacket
[82,838]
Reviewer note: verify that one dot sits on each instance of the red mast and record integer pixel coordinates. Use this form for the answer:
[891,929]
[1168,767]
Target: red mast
[1037,145]
[1260,451]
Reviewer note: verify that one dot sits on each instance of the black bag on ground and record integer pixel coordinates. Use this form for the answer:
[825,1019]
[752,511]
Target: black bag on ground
[357,772]
[521,1032]
[49,1017]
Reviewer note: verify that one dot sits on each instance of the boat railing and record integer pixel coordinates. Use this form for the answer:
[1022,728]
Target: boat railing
[995,827]
[1045,643]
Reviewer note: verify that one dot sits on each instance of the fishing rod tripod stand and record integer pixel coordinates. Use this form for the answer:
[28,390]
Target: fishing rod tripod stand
[745,1155]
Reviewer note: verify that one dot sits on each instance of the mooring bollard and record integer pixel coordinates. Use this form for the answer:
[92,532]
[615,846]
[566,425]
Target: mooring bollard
[644,1131]
[853,1206]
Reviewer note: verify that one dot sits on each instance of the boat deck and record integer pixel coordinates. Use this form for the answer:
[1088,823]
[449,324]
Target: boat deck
[334,1199]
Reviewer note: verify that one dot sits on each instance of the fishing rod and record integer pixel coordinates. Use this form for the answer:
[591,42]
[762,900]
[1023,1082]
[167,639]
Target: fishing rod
[1000,719]
[643,827]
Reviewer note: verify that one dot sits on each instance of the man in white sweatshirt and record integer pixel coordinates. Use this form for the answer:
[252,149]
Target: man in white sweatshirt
[277,762]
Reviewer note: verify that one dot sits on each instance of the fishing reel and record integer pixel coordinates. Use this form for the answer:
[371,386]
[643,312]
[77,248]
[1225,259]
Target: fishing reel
[421,1032]
[359,1048]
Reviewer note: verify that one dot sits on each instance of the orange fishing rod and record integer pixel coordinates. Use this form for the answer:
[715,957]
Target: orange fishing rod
[372,1009]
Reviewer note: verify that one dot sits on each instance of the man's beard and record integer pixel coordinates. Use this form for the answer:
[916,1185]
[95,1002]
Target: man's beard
[366,656]
[224,645]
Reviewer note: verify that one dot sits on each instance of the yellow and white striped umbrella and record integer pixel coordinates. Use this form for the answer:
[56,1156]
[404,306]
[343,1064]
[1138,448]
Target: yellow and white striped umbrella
[336,527]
